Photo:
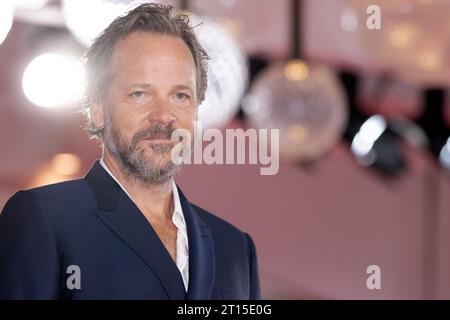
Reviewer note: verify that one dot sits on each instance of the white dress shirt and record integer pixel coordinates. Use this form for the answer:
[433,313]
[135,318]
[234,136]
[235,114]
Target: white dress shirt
[182,253]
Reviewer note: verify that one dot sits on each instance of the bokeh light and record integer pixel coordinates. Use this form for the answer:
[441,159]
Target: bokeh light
[305,102]
[65,164]
[413,40]
[61,167]
[88,18]
[366,137]
[28,4]
[53,80]
[227,74]
[6,19]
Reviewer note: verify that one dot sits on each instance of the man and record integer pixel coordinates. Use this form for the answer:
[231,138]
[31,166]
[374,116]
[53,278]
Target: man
[126,231]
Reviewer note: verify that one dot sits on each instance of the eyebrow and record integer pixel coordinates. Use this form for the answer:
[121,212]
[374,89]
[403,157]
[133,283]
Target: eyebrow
[149,86]
[184,87]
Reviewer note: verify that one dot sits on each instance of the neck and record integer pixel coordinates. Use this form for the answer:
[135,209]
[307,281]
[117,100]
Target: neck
[154,200]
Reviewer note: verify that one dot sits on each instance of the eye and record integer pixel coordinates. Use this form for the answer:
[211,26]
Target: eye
[137,94]
[182,96]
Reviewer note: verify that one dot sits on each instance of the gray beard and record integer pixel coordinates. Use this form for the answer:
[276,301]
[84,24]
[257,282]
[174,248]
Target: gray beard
[133,160]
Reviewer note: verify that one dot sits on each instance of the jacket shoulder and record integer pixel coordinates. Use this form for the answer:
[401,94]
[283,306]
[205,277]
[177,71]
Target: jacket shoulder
[65,191]
[53,199]
[58,188]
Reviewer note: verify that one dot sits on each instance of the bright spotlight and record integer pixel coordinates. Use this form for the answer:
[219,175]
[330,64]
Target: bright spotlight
[87,19]
[53,80]
[368,134]
[6,19]
[29,4]
[444,156]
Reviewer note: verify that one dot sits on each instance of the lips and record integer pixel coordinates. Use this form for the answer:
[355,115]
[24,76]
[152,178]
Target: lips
[159,140]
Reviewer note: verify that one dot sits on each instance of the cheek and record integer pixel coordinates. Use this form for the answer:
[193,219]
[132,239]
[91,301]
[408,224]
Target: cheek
[187,118]
[122,129]
[126,123]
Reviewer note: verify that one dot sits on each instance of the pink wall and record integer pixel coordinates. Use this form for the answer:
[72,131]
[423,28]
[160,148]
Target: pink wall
[317,229]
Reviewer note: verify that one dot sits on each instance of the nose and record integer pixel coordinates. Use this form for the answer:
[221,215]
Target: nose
[161,112]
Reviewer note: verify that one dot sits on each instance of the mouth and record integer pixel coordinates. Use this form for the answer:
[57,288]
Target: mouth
[159,140]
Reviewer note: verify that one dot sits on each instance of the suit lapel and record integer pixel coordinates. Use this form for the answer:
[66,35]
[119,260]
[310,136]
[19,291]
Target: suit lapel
[201,253]
[122,216]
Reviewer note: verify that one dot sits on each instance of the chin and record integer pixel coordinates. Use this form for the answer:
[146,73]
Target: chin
[161,160]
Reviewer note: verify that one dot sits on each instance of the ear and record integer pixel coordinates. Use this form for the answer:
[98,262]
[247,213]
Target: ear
[96,113]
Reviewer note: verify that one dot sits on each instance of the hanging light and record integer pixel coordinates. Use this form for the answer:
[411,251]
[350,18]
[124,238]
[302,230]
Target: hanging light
[305,102]
[227,74]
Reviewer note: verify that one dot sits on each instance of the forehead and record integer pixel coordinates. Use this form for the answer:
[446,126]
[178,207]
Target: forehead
[146,52]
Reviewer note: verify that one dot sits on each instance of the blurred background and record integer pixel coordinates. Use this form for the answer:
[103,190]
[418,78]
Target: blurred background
[363,109]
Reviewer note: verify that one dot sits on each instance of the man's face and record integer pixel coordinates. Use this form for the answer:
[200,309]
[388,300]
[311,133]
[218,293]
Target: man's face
[152,91]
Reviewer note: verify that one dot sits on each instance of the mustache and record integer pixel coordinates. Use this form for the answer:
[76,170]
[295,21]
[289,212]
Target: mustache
[157,131]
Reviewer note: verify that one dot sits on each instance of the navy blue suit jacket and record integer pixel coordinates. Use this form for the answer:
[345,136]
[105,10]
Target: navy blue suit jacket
[91,223]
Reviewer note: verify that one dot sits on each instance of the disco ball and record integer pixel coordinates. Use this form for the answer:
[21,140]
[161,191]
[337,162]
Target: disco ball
[227,74]
[305,102]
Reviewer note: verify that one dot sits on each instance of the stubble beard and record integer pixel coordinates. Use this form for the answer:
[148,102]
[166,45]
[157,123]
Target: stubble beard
[134,160]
